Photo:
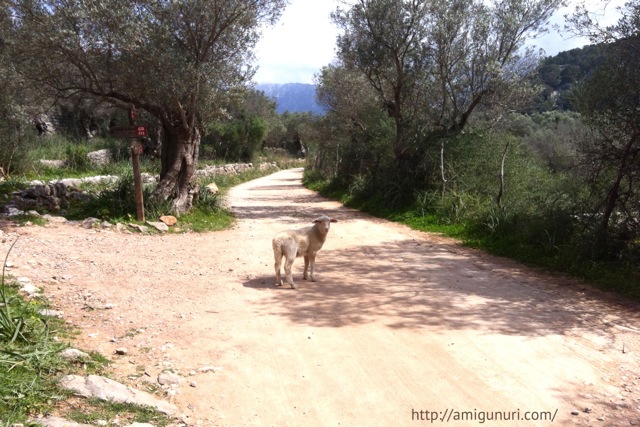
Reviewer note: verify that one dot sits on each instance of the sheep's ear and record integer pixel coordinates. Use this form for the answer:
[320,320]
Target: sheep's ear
[333,220]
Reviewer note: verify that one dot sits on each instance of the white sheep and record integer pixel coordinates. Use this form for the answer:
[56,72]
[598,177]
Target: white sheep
[302,242]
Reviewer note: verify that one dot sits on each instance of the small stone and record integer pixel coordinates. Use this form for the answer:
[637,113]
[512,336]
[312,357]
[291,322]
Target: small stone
[140,228]
[169,220]
[51,313]
[193,384]
[73,354]
[13,211]
[160,226]
[212,188]
[574,412]
[29,289]
[169,378]
[90,223]
[121,351]
[55,219]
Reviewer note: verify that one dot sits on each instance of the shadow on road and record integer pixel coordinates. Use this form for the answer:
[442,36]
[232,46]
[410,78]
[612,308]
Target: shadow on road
[411,283]
[407,285]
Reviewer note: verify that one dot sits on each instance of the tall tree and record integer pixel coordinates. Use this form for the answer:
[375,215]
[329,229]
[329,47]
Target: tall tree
[434,63]
[608,101]
[177,60]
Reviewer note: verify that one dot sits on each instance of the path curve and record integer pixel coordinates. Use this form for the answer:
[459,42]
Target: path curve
[400,327]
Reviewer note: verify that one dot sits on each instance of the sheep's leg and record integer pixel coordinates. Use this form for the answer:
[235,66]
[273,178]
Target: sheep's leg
[306,266]
[277,268]
[277,254]
[287,271]
[312,264]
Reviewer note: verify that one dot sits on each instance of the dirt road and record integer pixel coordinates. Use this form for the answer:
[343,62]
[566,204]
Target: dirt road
[402,328]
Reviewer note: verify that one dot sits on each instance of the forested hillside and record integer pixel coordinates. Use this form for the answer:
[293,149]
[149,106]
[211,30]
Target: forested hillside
[560,73]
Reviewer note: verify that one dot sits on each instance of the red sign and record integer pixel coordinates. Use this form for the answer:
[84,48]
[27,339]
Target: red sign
[129,132]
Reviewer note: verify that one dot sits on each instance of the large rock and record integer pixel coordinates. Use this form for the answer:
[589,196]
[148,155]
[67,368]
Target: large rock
[106,389]
[100,157]
[59,164]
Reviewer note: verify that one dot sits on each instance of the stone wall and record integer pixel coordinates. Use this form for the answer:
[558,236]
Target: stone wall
[56,195]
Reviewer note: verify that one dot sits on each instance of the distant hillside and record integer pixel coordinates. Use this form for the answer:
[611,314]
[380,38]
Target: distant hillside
[293,97]
[561,72]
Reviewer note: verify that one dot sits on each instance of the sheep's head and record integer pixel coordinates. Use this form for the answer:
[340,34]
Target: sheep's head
[324,223]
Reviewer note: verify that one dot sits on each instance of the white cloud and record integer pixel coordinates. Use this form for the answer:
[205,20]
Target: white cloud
[299,45]
[304,39]
[559,40]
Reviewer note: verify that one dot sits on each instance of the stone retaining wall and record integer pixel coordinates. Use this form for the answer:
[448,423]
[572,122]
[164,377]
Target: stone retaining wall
[56,195]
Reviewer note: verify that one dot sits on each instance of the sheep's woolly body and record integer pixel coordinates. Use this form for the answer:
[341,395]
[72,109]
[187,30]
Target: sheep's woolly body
[303,242]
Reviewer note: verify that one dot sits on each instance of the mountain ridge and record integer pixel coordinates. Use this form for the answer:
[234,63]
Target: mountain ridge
[292,97]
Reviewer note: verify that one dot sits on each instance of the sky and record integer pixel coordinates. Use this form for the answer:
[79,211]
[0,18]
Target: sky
[303,41]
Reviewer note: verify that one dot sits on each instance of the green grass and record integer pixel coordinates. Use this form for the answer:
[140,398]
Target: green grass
[56,147]
[94,410]
[29,361]
[30,367]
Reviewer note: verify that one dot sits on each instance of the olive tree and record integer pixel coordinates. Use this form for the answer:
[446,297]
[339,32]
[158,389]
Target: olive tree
[356,129]
[608,101]
[177,60]
[433,64]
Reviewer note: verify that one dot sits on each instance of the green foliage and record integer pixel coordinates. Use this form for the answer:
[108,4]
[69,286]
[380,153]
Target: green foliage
[77,157]
[101,410]
[11,327]
[28,360]
[16,143]
[561,73]
[111,203]
[237,140]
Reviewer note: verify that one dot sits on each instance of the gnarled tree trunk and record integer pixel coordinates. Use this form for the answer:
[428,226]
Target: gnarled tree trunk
[179,161]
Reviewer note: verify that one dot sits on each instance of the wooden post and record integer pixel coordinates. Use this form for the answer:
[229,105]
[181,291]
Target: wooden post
[136,150]
[137,179]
